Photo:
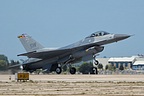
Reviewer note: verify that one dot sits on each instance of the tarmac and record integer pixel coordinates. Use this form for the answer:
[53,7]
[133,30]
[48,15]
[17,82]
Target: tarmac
[71,85]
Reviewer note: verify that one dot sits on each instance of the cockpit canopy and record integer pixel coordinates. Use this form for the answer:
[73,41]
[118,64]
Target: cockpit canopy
[98,33]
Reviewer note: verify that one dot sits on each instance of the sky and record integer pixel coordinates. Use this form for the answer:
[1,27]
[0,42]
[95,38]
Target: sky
[57,23]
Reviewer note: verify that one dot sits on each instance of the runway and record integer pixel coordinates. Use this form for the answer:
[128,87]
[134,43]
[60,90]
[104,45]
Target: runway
[71,85]
[80,78]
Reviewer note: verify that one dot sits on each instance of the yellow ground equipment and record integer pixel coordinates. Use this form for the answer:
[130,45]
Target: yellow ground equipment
[22,76]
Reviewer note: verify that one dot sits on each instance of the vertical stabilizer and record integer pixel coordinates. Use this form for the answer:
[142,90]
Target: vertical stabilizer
[29,43]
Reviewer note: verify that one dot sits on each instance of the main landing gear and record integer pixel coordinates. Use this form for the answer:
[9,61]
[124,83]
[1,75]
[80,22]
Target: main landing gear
[72,70]
[59,70]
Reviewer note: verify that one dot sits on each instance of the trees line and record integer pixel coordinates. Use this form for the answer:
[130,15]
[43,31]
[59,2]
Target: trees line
[5,63]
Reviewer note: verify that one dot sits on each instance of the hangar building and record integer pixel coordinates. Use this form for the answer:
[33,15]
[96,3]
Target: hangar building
[126,62]
[134,62]
[138,65]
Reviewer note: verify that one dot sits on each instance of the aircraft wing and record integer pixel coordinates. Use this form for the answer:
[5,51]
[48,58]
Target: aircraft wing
[46,54]
[58,52]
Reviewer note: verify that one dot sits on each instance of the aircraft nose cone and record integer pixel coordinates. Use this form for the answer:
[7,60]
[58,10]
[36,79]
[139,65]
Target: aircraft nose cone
[121,36]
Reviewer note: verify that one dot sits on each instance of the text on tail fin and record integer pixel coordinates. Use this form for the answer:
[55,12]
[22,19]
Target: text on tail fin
[29,43]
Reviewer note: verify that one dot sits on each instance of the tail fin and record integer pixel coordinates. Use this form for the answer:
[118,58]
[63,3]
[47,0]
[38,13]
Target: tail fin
[29,43]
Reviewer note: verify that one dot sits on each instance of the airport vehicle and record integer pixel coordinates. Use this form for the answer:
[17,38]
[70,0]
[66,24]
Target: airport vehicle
[53,59]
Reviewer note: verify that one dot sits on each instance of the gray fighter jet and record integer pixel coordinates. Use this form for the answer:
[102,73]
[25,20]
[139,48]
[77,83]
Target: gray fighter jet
[53,59]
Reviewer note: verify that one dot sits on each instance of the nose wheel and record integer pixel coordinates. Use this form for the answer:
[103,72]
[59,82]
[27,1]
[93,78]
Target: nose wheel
[94,70]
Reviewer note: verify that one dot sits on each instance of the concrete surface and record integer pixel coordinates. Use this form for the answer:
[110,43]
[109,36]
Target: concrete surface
[71,85]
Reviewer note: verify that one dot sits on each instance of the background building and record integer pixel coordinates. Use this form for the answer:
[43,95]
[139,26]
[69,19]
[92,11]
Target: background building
[134,62]
[138,65]
[126,62]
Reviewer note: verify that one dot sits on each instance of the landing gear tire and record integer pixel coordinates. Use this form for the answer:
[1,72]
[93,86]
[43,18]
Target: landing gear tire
[58,70]
[94,70]
[72,70]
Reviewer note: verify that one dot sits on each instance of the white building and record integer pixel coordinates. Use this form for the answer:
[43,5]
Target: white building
[134,62]
[126,62]
[138,65]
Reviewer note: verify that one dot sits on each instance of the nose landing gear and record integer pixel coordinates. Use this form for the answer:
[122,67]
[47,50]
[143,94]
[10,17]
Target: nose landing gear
[95,64]
[72,70]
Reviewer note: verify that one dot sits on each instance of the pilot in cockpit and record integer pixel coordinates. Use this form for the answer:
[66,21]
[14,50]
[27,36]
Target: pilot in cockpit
[99,33]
